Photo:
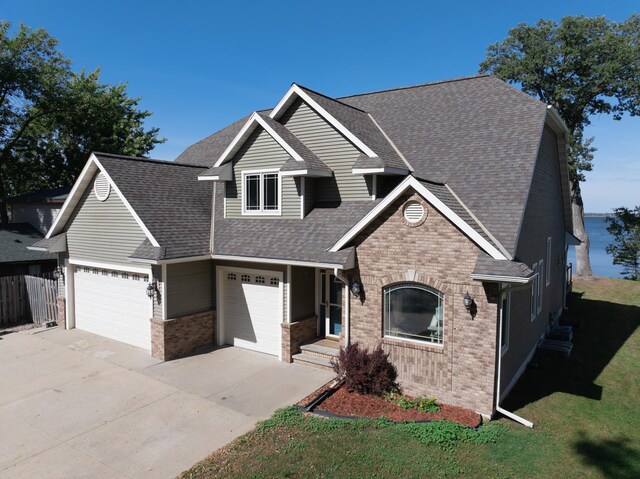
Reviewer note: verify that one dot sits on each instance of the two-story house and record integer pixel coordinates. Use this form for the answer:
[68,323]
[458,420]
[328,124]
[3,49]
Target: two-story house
[430,220]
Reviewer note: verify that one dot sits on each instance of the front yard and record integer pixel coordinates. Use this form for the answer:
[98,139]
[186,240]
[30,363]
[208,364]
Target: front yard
[585,410]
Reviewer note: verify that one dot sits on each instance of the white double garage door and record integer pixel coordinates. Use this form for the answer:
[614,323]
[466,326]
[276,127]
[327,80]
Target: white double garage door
[250,308]
[114,304]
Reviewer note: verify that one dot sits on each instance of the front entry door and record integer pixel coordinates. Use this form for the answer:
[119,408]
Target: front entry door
[331,303]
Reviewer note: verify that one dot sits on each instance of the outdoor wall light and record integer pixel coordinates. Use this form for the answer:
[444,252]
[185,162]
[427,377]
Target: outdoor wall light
[470,304]
[151,289]
[57,273]
[356,288]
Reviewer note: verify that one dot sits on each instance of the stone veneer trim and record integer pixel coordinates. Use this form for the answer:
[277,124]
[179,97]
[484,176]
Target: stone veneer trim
[177,337]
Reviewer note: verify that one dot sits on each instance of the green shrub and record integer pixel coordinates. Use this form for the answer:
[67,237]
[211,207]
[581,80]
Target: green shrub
[423,404]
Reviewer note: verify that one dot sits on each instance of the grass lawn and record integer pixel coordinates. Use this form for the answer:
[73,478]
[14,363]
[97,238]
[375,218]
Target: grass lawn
[585,409]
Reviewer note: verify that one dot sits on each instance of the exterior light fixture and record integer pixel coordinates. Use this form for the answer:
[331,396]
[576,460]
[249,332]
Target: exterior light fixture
[470,305]
[356,288]
[57,273]
[151,289]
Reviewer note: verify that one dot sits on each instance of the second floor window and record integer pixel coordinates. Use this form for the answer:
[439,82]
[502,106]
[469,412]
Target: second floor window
[261,192]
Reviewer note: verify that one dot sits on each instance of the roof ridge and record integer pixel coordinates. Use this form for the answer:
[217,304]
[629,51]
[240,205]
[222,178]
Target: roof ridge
[147,160]
[332,99]
[420,85]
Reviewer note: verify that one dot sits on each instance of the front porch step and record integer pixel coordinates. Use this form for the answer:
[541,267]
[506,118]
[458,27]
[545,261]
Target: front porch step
[319,350]
[312,361]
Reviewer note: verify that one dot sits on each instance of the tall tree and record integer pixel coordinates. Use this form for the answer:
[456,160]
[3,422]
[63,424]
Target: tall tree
[582,67]
[52,118]
[32,78]
[624,225]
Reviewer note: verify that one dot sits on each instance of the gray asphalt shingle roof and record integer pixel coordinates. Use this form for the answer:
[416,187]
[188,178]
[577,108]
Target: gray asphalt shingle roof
[173,205]
[306,239]
[478,135]
[14,239]
[486,265]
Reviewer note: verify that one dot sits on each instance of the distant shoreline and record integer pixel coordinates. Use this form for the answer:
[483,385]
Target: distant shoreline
[597,215]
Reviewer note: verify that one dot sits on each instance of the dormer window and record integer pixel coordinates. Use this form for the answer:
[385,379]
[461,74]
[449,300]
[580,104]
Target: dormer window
[261,192]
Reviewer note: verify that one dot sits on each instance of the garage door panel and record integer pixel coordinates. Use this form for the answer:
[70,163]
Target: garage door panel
[114,305]
[252,310]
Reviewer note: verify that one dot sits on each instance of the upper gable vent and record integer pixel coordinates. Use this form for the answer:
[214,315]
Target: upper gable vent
[101,187]
[413,212]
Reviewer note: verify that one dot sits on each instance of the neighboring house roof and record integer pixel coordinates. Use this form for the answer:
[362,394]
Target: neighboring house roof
[14,239]
[56,195]
[477,135]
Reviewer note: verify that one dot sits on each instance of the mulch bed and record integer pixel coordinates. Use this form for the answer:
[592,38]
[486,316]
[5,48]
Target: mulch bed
[347,403]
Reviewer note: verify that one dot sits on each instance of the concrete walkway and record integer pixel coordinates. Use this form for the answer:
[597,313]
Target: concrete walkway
[73,404]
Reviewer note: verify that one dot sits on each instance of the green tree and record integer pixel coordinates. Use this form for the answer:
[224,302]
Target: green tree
[52,118]
[624,225]
[33,75]
[582,67]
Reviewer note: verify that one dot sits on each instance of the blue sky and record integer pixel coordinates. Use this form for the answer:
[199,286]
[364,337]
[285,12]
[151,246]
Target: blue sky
[201,65]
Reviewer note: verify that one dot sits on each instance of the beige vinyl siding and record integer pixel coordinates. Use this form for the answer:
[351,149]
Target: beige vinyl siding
[261,152]
[40,216]
[189,288]
[103,231]
[544,217]
[303,292]
[333,149]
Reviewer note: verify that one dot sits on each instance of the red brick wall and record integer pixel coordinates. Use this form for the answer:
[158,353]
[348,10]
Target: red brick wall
[435,253]
[297,333]
[177,337]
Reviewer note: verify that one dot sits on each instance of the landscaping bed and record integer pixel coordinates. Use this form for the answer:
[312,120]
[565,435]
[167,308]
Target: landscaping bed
[345,403]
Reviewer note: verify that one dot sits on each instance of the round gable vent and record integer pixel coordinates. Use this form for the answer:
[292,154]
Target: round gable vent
[413,212]
[101,187]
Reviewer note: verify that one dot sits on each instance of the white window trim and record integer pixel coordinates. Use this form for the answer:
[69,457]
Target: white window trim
[415,340]
[261,211]
[537,289]
[548,270]
[505,330]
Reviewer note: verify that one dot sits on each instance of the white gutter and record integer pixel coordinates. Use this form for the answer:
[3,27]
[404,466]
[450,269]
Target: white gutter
[340,275]
[501,279]
[502,411]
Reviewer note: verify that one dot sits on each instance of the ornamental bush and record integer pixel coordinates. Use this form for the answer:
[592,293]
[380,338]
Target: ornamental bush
[366,372]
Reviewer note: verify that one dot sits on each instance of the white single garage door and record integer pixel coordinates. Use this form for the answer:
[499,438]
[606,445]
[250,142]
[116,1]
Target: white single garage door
[113,304]
[252,309]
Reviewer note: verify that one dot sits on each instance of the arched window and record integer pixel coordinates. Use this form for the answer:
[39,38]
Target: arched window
[413,311]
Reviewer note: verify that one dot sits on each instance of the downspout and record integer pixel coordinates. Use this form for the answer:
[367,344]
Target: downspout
[502,411]
[341,276]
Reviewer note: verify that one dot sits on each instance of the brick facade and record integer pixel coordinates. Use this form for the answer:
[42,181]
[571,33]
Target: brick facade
[461,371]
[177,337]
[296,334]
[62,317]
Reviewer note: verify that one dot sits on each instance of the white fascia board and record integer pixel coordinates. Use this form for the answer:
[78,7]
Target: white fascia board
[143,227]
[242,135]
[557,118]
[501,279]
[252,259]
[37,248]
[296,90]
[408,182]
[90,168]
[385,170]
[307,172]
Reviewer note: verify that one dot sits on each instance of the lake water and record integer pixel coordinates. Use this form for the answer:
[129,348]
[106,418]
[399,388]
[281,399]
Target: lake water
[601,262]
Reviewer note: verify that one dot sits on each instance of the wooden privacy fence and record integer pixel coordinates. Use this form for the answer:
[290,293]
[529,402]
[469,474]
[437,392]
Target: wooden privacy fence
[27,298]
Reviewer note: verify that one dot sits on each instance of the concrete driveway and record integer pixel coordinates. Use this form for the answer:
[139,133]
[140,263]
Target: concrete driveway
[73,404]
